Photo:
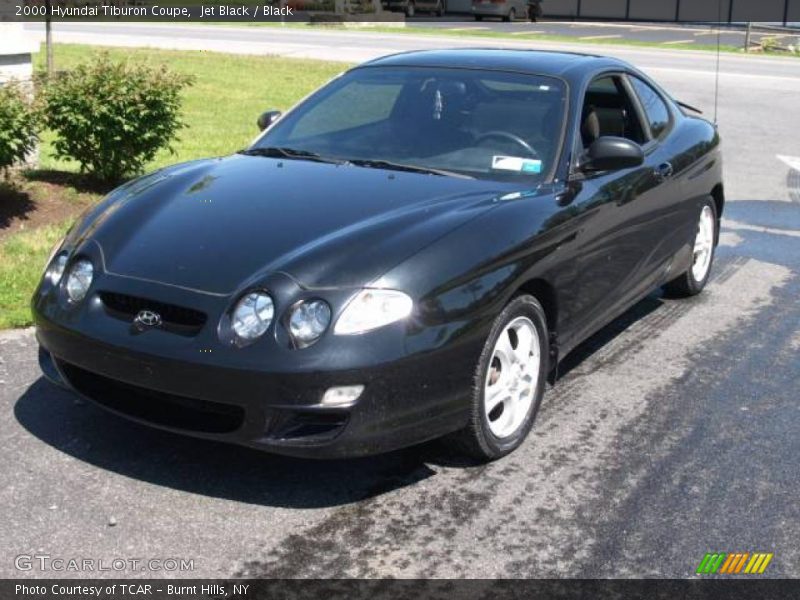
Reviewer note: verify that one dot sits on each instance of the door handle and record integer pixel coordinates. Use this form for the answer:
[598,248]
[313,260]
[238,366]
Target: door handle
[664,171]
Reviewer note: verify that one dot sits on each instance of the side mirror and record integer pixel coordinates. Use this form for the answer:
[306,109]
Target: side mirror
[268,118]
[611,154]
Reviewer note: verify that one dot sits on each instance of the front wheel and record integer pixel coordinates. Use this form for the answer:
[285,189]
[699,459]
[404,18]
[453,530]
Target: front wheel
[692,282]
[509,382]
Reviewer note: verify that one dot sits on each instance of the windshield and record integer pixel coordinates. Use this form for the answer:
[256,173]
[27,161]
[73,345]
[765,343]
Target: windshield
[484,124]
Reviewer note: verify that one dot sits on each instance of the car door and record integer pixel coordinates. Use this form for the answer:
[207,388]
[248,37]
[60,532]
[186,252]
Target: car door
[615,245]
[667,209]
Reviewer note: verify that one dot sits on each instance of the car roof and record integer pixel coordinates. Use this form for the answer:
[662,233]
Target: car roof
[539,62]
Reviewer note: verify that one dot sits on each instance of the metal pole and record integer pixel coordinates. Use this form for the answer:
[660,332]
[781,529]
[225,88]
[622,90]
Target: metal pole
[747,36]
[48,38]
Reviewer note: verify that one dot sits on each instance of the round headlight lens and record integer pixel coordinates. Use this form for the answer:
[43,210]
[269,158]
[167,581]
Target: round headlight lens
[55,271]
[252,315]
[79,280]
[309,320]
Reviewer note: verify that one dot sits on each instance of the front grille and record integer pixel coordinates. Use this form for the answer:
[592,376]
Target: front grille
[178,319]
[168,410]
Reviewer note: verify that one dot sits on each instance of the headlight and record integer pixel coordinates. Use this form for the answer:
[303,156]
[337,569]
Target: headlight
[370,309]
[79,280]
[55,270]
[252,315]
[308,321]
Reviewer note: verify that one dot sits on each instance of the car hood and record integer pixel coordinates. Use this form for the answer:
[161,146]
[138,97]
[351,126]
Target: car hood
[216,225]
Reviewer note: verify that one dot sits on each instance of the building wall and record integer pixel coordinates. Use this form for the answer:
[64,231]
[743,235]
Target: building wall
[603,9]
[704,10]
[666,10]
[560,8]
[15,66]
[747,10]
[794,11]
[647,10]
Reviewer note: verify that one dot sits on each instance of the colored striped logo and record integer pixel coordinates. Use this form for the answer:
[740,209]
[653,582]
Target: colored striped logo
[736,563]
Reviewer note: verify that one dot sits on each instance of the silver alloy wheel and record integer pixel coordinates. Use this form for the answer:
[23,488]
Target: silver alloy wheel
[512,377]
[703,244]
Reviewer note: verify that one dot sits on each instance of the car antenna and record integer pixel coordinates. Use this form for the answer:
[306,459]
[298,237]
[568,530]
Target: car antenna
[716,86]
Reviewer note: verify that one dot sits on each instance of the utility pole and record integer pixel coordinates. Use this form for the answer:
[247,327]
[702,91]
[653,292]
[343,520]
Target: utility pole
[48,37]
[748,36]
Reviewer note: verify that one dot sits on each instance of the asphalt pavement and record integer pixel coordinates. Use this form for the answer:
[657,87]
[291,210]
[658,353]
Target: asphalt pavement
[673,432]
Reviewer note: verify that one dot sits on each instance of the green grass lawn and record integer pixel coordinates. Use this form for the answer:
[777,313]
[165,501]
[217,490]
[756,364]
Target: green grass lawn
[220,111]
[22,258]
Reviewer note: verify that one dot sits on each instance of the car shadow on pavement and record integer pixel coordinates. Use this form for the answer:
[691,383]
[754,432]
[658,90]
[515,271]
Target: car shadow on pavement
[90,434]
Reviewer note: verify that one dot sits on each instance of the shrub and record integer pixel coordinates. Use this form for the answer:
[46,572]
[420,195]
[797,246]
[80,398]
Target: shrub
[17,126]
[113,117]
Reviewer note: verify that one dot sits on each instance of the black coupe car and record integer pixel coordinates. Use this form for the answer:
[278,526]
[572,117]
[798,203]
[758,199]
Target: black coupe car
[407,254]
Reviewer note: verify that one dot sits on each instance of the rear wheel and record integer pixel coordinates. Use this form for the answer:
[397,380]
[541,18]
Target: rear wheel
[695,278]
[509,382]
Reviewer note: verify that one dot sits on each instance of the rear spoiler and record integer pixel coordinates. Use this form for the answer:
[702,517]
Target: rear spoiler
[689,107]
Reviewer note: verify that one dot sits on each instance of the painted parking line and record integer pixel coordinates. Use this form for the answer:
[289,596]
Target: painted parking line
[675,42]
[526,32]
[599,37]
[737,226]
[793,162]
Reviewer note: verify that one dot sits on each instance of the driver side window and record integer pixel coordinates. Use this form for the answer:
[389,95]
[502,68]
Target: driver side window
[608,111]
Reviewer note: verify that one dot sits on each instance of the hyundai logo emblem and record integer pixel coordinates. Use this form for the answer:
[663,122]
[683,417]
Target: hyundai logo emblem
[147,319]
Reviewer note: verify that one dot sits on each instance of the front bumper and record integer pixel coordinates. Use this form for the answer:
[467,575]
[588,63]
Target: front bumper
[202,387]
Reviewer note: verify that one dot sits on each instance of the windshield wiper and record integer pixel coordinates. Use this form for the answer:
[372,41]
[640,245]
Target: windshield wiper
[292,153]
[393,166]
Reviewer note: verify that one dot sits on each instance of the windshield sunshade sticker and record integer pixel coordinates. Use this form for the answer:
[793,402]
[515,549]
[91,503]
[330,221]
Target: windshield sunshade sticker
[516,164]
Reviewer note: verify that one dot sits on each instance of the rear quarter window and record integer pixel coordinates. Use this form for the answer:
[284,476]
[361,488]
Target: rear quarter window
[656,110]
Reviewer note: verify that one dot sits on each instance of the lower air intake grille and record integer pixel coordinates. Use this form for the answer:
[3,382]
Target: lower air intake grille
[168,410]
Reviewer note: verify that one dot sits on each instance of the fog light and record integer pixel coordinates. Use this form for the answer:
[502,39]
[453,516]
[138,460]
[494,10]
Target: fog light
[342,395]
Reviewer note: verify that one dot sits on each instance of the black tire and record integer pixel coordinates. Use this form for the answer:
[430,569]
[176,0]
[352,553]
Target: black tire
[686,285]
[512,14]
[476,439]
[479,17]
[440,9]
